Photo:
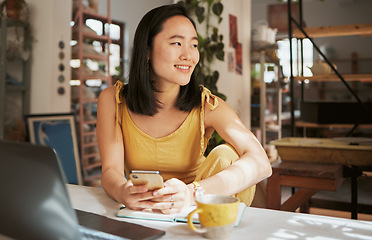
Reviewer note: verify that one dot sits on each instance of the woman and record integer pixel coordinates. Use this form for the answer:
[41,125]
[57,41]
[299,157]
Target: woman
[162,120]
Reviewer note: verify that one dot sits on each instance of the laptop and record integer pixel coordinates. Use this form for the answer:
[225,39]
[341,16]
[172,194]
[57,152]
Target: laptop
[34,202]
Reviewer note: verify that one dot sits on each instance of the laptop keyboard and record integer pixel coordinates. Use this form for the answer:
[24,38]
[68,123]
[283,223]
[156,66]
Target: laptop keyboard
[91,234]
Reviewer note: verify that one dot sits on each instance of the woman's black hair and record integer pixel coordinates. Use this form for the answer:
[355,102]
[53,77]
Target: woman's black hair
[139,93]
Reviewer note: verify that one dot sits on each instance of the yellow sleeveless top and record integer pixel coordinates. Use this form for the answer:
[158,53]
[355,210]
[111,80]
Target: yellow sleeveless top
[178,155]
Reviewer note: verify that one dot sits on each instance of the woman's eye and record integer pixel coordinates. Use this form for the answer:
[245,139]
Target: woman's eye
[195,45]
[177,43]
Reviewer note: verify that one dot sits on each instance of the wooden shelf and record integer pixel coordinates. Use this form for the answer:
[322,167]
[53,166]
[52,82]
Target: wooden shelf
[91,144]
[322,125]
[10,87]
[335,78]
[335,31]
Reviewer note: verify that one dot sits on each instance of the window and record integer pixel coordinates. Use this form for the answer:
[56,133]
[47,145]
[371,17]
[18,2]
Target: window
[283,54]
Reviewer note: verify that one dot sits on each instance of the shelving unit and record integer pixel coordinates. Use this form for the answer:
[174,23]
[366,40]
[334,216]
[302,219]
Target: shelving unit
[275,118]
[24,66]
[353,171]
[346,79]
[86,103]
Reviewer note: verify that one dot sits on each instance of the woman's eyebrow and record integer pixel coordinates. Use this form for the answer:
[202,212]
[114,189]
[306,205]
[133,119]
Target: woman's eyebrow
[182,37]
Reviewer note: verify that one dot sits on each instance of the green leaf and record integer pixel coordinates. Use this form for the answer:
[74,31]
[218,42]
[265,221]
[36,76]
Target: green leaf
[215,77]
[216,74]
[201,19]
[220,46]
[215,30]
[201,57]
[221,38]
[210,58]
[217,8]
[220,55]
[199,11]
[214,37]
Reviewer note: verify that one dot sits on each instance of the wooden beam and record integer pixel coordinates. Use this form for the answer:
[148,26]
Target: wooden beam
[309,182]
[297,199]
[334,78]
[335,31]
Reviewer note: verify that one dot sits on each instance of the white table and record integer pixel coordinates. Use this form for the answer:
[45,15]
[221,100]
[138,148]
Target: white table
[256,223]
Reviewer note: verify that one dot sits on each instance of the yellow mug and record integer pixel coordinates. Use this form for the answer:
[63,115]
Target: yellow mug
[217,215]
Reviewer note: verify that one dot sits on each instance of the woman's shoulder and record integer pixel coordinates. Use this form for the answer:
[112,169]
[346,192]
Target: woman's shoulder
[113,92]
[209,100]
[108,92]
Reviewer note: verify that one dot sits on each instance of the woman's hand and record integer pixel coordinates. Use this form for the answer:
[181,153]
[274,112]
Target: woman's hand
[136,197]
[174,197]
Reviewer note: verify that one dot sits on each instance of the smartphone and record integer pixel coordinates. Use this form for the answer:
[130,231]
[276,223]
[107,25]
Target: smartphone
[152,179]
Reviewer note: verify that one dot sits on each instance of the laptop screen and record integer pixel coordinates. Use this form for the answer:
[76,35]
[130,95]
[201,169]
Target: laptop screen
[34,202]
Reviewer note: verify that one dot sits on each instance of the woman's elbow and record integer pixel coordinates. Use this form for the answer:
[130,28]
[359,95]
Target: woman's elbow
[268,171]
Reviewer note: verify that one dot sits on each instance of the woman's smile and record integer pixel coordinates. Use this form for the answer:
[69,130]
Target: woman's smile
[182,67]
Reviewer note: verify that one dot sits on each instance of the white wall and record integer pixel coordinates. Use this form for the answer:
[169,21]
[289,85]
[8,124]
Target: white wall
[235,86]
[50,21]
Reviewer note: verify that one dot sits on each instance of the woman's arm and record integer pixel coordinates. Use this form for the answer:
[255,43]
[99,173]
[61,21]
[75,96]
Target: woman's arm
[111,148]
[110,143]
[253,164]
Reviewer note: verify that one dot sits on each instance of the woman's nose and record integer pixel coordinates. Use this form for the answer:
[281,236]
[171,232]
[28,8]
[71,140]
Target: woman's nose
[185,54]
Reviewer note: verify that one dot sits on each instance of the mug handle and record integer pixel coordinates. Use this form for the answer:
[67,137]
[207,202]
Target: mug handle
[191,223]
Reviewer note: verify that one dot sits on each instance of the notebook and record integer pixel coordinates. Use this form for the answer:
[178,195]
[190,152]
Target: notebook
[34,201]
[178,217]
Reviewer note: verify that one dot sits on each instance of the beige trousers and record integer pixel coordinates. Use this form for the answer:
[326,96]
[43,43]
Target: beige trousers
[220,158]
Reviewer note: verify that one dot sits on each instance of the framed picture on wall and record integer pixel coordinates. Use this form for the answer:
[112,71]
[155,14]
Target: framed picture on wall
[58,131]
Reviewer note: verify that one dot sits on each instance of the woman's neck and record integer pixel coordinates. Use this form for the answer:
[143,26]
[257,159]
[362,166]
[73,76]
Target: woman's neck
[168,96]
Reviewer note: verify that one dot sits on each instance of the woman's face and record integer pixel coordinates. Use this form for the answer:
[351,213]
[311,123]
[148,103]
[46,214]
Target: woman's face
[174,53]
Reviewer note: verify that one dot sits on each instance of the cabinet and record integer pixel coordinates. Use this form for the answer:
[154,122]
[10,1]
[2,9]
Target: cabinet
[362,119]
[90,74]
[15,69]
[266,101]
